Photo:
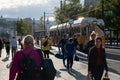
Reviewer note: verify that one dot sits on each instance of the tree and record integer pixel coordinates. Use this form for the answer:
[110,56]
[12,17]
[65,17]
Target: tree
[69,10]
[110,11]
[91,11]
[116,13]
[112,16]
[41,25]
[19,27]
[23,27]
[27,28]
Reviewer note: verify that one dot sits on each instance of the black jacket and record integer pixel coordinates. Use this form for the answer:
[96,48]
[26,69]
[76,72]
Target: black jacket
[90,44]
[93,58]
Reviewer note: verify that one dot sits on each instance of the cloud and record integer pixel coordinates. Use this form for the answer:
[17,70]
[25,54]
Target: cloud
[51,18]
[28,8]
[18,3]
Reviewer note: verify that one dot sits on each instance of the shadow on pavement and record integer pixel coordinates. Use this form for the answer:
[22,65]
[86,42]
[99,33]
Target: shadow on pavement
[51,53]
[63,69]
[9,65]
[5,59]
[113,56]
[77,75]
[59,56]
[114,71]
[58,74]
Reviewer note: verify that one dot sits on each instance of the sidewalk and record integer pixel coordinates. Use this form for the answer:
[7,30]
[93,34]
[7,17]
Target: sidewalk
[79,71]
[4,66]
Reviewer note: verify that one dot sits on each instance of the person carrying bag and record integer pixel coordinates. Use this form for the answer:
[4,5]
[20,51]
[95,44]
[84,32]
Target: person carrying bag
[106,77]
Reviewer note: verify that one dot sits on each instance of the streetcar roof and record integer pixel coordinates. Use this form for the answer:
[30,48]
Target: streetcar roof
[53,27]
[100,22]
[88,20]
[83,20]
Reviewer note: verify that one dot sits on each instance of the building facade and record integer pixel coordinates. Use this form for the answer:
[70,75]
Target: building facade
[88,3]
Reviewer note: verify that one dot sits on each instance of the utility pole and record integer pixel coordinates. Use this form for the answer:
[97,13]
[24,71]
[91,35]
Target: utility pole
[44,25]
[34,27]
[61,4]
[103,9]
[61,10]
[45,29]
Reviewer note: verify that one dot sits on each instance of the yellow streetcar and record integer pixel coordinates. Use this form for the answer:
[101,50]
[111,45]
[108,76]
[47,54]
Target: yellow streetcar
[82,27]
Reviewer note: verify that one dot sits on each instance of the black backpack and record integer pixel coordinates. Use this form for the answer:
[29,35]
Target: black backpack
[29,68]
[45,43]
[48,70]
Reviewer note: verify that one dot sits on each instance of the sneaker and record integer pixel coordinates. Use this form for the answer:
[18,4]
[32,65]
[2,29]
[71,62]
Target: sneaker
[68,70]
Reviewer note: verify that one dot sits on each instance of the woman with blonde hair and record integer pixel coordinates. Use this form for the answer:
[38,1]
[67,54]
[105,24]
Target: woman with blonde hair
[17,65]
[90,43]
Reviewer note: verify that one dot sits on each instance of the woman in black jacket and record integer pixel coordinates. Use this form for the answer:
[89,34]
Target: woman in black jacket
[90,43]
[97,61]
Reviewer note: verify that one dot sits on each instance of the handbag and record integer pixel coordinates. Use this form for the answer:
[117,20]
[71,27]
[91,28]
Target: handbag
[49,71]
[106,78]
[90,77]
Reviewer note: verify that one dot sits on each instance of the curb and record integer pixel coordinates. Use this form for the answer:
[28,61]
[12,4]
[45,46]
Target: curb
[113,47]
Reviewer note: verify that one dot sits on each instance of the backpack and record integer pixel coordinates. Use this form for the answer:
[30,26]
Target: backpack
[48,69]
[29,68]
[45,43]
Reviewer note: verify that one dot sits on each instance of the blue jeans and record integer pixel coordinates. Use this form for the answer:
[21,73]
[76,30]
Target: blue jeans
[69,61]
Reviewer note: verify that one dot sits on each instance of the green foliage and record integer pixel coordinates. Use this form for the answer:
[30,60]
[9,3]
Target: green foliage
[27,28]
[23,27]
[69,10]
[111,13]
[41,25]
[72,9]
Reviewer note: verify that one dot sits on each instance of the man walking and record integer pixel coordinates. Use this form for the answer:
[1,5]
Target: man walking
[63,43]
[13,44]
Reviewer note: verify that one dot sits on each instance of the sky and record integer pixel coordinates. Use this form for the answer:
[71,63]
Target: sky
[27,8]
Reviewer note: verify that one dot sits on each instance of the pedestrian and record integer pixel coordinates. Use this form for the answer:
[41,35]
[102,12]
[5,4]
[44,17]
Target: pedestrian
[1,46]
[90,43]
[46,43]
[19,41]
[62,43]
[7,47]
[28,51]
[97,60]
[59,49]
[75,42]
[13,44]
[69,48]
[37,41]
